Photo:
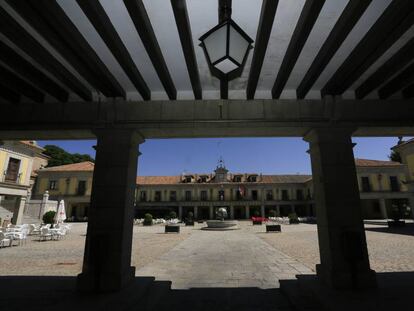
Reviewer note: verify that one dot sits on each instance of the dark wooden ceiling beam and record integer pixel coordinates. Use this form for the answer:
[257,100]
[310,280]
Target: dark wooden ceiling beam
[304,26]
[26,70]
[393,65]
[12,81]
[408,92]
[139,16]
[267,17]
[52,23]
[184,30]
[346,22]
[403,79]
[9,95]
[397,18]
[103,25]
[24,41]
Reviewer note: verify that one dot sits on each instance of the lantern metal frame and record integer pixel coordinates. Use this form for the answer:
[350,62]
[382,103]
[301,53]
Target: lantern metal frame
[235,73]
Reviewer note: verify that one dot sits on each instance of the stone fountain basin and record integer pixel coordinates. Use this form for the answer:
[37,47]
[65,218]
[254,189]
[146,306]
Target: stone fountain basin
[221,225]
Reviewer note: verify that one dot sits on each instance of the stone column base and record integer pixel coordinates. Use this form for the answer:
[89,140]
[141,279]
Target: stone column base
[101,282]
[365,279]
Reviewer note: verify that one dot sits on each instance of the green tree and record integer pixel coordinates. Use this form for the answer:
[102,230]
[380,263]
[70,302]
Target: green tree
[395,156]
[59,156]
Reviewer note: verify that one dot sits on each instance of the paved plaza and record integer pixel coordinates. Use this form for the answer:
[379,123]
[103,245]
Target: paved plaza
[197,258]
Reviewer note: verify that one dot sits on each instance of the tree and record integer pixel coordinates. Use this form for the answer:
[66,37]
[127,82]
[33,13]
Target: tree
[59,156]
[395,156]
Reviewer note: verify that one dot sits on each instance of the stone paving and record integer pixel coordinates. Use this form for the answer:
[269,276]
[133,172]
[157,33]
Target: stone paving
[237,258]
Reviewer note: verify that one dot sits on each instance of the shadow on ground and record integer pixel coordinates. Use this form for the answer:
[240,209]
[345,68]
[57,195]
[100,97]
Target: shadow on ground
[58,293]
[394,292]
[408,229]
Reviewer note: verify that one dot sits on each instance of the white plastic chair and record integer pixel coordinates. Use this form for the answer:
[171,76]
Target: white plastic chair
[45,234]
[4,240]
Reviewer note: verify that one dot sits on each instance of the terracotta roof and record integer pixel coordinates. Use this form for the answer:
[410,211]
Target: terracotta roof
[285,179]
[403,143]
[31,143]
[158,180]
[169,180]
[365,162]
[86,166]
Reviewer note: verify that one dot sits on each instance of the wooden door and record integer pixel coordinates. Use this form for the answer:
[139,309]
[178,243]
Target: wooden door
[13,170]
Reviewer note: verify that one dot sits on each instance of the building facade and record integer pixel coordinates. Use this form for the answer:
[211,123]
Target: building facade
[71,183]
[382,186]
[18,161]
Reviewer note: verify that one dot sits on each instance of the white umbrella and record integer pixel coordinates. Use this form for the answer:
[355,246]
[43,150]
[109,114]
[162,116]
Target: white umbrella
[61,213]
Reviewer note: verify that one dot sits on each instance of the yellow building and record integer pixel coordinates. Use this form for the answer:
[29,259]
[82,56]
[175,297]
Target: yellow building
[382,186]
[18,159]
[72,183]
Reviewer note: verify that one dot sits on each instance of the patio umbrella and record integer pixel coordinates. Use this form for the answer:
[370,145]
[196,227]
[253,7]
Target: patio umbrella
[61,213]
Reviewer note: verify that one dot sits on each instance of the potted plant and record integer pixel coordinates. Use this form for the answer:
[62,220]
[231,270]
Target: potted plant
[396,217]
[49,218]
[172,215]
[293,218]
[189,221]
[147,220]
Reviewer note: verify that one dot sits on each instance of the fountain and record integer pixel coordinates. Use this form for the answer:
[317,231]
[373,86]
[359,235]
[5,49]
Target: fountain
[220,223]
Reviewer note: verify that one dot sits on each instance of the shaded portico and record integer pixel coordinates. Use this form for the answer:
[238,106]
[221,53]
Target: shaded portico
[67,88]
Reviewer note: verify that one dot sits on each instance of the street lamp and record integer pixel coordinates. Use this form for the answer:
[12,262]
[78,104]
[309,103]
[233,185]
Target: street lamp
[226,47]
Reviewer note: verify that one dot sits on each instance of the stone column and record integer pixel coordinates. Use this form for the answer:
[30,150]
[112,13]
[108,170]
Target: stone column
[342,243]
[180,212]
[247,212]
[211,212]
[18,211]
[383,208]
[107,257]
[195,213]
[262,211]
[231,212]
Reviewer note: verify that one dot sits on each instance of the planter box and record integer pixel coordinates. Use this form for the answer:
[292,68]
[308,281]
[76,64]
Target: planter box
[189,223]
[170,228]
[273,228]
[257,222]
[293,221]
[147,223]
[396,223]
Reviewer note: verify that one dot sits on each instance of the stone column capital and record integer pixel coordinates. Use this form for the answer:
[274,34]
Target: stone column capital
[119,134]
[329,134]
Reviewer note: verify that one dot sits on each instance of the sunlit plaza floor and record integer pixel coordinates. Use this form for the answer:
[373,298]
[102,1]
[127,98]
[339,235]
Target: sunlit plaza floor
[245,257]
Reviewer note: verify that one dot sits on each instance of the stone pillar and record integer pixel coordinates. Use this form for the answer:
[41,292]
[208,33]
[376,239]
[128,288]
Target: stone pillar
[211,212]
[247,212]
[195,212]
[342,243]
[45,200]
[107,257]
[18,211]
[180,212]
[383,208]
[231,212]
[262,211]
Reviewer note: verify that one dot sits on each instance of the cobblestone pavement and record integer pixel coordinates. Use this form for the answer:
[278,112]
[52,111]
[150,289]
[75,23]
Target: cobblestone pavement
[389,250]
[219,259]
[64,257]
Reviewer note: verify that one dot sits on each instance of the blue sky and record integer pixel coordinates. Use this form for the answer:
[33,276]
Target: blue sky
[261,155]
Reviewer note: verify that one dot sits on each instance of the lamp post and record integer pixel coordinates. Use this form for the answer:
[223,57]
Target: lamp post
[226,47]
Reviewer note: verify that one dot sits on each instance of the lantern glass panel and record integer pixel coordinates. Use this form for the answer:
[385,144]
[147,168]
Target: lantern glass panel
[215,44]
[226,65]
[238,45]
